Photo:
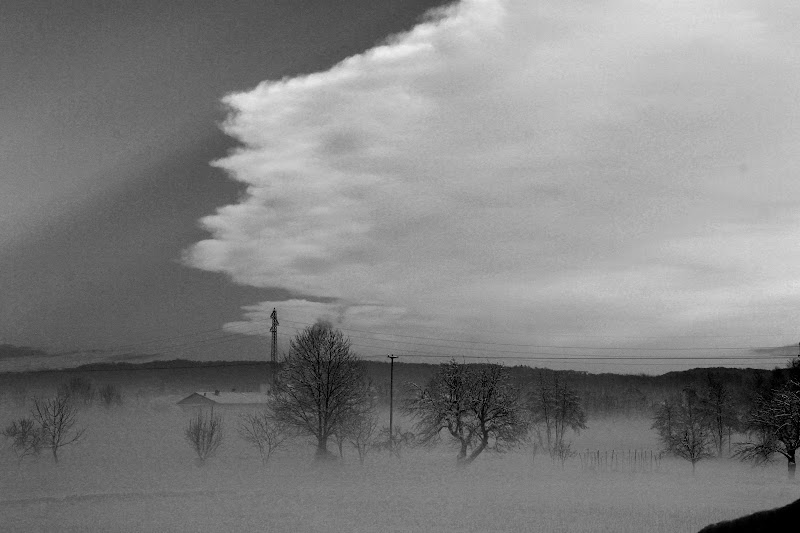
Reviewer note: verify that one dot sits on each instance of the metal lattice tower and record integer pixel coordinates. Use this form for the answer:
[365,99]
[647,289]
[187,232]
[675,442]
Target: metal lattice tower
[274,331]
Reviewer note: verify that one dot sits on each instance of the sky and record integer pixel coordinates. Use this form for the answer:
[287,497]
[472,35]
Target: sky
[598,185]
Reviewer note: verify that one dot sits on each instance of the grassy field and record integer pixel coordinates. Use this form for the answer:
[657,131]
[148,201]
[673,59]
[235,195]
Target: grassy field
[134,472]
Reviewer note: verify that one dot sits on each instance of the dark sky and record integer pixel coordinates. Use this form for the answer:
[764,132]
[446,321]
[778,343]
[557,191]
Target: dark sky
[594,185]
[109,119]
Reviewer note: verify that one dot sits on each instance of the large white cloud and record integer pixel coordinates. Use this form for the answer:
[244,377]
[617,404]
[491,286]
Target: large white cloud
[564,168]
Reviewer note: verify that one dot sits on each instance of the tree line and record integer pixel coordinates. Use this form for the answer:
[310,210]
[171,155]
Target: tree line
[322,391]
[700,422]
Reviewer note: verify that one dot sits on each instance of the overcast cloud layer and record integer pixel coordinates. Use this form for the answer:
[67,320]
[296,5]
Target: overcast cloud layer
[563,168]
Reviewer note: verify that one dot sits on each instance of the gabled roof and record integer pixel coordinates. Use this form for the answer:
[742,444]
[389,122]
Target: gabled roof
[226,398]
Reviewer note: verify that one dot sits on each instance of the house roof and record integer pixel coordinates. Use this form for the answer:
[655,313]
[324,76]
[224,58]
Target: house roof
[227,398]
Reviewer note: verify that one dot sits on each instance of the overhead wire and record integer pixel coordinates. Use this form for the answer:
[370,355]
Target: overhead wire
[557,356]
[196,340]
[504,332]
[618,348]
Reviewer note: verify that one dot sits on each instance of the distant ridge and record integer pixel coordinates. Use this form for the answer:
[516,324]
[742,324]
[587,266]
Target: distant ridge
[9,351]
[603,394]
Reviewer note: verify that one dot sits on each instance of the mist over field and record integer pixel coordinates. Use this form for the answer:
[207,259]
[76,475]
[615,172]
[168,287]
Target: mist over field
[134,471]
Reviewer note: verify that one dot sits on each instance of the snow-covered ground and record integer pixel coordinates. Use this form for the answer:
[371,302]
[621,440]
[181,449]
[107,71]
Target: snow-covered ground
[134,472]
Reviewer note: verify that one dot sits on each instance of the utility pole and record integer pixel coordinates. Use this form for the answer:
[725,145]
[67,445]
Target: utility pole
[391,400]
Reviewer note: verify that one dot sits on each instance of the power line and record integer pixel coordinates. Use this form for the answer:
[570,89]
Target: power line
[618,348]
[195,341]
[203,343]
[229,327]
[590,362]
[541,356]
[491,354]
[529,333]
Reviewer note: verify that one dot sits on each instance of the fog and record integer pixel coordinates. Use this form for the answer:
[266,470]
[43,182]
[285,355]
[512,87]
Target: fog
[133,471]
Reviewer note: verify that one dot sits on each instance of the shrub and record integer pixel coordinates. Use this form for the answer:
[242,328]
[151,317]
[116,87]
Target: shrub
[78,388]
[109,395]
[204,434]
[360,432]
[263,432]
[25,435]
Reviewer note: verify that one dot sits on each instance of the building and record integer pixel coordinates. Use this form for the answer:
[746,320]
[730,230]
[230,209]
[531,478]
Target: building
[225,400]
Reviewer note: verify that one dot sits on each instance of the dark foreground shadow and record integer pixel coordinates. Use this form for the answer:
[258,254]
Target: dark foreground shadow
[783,518]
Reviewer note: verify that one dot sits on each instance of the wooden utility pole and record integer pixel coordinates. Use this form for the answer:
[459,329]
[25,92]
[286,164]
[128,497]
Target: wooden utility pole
[391,401]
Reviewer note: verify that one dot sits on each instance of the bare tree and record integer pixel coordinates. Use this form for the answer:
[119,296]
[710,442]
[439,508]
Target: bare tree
[774,427]
[340,437]
[395,443]
[263,432]
[691,437]
[555,408]
[56,418]
[475,404]
[25,436]
[664,421]
[204,434]
[563,451]
[360,432]
[720,411]
[321,385]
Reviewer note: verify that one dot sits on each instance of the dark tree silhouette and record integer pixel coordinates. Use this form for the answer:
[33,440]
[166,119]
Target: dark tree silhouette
[774,427]
[475,404]
[691,436]
[321,385]
[720,411]
[555,408]
[665,419]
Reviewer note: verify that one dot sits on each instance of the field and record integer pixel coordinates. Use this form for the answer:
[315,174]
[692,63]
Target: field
[134,472]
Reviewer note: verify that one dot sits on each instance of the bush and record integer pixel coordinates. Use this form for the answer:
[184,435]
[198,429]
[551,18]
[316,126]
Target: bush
[263,432]
[110,395]
[398,441]
[204,434]
[360,431]
[25,435]
[79,389]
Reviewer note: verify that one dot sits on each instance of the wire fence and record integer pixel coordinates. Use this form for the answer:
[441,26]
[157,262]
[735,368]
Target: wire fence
[631,460]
